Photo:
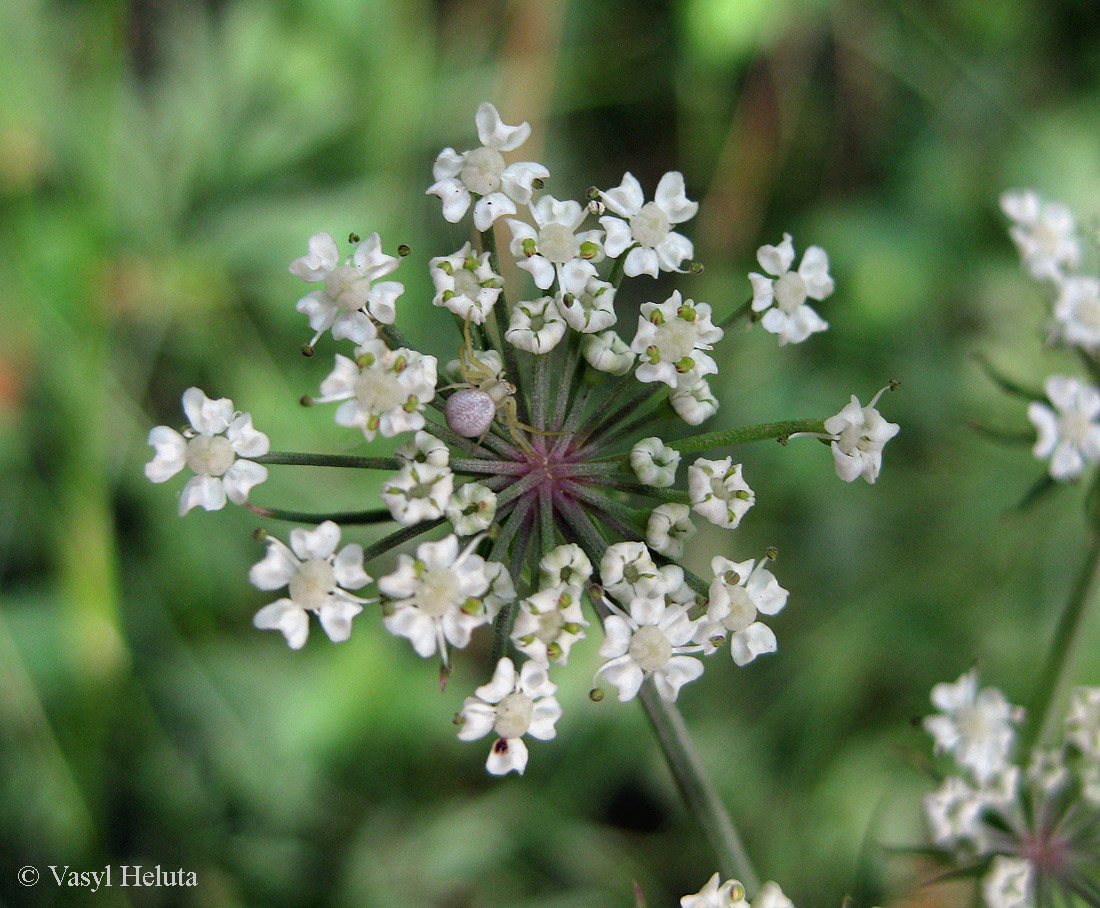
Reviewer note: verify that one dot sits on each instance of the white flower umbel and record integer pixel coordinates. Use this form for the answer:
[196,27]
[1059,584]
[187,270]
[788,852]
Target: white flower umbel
[1077,312]
[669,528]
[1070,433]
[350,294]
[719,492]
[782,297]
[694,403]
[1083,721]
[553,248]
[471,509]
[653,640]
[465,284]
[739,592]
[587,305]
[647,229]
[536,326]
[953,813]
[512,705]
[607,352]
[654,462]
[672,341]
[384,391]
[482,174]
[627,571]
[1044,233]
[318,578]
[858,436]
[437,596]
[1008,883]
[976,728]
[715,894]
[216,447]
[419,492]
[548,623]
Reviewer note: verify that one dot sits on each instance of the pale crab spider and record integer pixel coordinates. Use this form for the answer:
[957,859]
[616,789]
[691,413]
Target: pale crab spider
[482,396]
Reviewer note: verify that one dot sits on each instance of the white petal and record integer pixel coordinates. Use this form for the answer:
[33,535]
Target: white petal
[170,454]
[673,200]
[619,237]
[625,674]
[754,640]
[675,674]
[477,719]
[777,260]
[617,634]
[319,308]
[336,617]
[283,615]
[641,261]
[814,270]
[763,291]
[540,269]
[673,250]
[241,477]
[502,684]
[448,164]
[209,417]
[491,207]
[626,199]
[322,257]
[494,134]
[318,543]
[245,440]
[416,626]
[516,180]
[207,491]
[546,713]
[275,569]
[455,197]
[348,567]
[507,754]
[354,326]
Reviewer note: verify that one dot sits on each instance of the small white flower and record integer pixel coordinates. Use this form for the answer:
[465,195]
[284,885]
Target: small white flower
[1077,312]
[976,728]
[553,248]
[694,403]
[669,527]
[482,173]
[216,448]
[738,593]
[424,448]
[1008,883]
[730,894]
[1070,437]
[587,305]
[350,294]
[1083,721]
[859,435]
[784,295]
[548,623]
[318,578]
[719,492]
[384,391]
[512,705]
[654,462]
[1047,770]
[438,596]
[465,284]
[954,814]
[419,492]
[771,896]
[652,640]
[607,352]
[1044,233]
[536,326]
[471,509]
[648,225]
[565,564]
[627,572]
[672,341]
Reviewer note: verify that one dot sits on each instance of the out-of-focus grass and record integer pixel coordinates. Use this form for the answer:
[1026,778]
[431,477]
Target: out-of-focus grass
[161,164]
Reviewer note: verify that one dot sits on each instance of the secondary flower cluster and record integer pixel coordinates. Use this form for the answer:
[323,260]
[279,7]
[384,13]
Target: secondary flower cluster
[731,894]
[1067,416]
[523,455]
[1024,823]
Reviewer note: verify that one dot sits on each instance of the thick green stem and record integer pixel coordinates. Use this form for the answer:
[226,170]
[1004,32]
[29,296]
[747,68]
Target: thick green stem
[1056,670]
[381,515]
[696,444]
[696,787]
[293,458]
[641,489]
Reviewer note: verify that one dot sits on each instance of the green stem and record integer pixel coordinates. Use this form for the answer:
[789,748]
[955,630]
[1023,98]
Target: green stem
[491,467]
[648,491]
[1056,670]
[294,458]
[742,311]
[404,534]
[696,787]
[381,515]
[696,444]
[503,319]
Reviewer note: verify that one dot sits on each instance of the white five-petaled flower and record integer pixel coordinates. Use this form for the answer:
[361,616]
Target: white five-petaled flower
[654,462]
[1008,883]
[652,640]
[648,225]
[953,813]
[719,492]
[471,509]
[437,596]
[216,448]
[383,390]
[782,297]
[553,248]
[425,448]
[669,528]
[694,403]
[607,352]
[482,173]
[672,341]
[350,299]
[536,326]
[627,572]
[465,284]
[1070,434]
[513,704]
[565,564]
[418,492]
[1044,233]
[739,591]
[858,436]
[976,727]
[549,622]
[588,304]
[1077,312]
[318,579]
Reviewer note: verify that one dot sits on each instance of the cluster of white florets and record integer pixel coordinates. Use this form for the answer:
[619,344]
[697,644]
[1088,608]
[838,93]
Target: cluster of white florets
[1016,817]
[1067,418]
[731,894]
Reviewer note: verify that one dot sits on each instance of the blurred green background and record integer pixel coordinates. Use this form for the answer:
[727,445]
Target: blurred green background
[161,163]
